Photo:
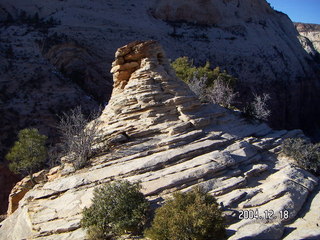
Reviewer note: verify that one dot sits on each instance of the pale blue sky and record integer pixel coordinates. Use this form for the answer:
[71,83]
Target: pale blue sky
[306,11]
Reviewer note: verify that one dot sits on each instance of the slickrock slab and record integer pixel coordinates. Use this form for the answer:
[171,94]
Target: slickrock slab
[173,143]
[307,225]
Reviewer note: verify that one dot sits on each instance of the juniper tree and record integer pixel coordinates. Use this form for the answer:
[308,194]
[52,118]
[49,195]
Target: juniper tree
[28,153]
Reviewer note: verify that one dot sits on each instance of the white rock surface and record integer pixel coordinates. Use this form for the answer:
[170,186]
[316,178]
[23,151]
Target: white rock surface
[236,161]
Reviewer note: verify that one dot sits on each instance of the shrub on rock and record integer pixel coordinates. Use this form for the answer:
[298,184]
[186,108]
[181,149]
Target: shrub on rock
[210,85]
[117,208]
[188,216]
[77,136]
[186,71]
[258,108]
[306,154]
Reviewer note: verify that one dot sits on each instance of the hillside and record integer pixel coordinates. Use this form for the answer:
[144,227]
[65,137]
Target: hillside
[56,55]
[164,137]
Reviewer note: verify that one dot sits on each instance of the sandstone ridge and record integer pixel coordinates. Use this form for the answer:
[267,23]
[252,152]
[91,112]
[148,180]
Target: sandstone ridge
[147,97]
[56,55]
[173,142]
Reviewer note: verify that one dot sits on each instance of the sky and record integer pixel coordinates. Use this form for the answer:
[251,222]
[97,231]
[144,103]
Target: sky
[306,11]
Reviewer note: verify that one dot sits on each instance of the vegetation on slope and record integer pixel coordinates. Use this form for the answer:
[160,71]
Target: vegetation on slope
[188,216]
[305,153]
[28,153]
[117,208]
[216,86]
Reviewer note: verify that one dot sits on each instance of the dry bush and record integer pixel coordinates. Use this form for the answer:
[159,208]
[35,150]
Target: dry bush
[221,93]
[198,86]
[305,153]
[77,136]
[258,108]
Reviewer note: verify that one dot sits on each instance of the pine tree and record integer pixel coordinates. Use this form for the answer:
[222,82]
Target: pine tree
[28,153]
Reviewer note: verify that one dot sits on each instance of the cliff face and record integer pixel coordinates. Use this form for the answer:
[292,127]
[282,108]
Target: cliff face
[170,142]
[214,13]
[55,55]
[310,31]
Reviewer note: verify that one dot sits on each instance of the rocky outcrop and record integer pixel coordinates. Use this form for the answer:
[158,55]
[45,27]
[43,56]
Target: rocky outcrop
[58,55]
[173,142]
[308,46]
[310,31]
[22,187]
[144,64]
[304,226]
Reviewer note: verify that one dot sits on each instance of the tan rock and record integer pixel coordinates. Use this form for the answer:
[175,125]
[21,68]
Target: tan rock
[21,188]
[85,50]
[128,67]
[118,61]
[115,69]
[54,173]
[312,33]
[122,76]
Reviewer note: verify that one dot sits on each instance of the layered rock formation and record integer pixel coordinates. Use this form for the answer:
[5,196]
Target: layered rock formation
[252,41]
[310,31]
[170,142]
[55,55]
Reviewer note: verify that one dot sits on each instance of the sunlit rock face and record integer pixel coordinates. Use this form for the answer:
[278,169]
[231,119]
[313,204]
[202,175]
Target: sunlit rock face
[310,31]
[165,138]
[147,96]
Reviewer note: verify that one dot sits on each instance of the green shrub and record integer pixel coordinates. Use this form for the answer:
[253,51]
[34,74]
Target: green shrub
[186,71]
[209,85]
[118,208]
[184,68]
[29,153]
[306,154]
[188,216]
